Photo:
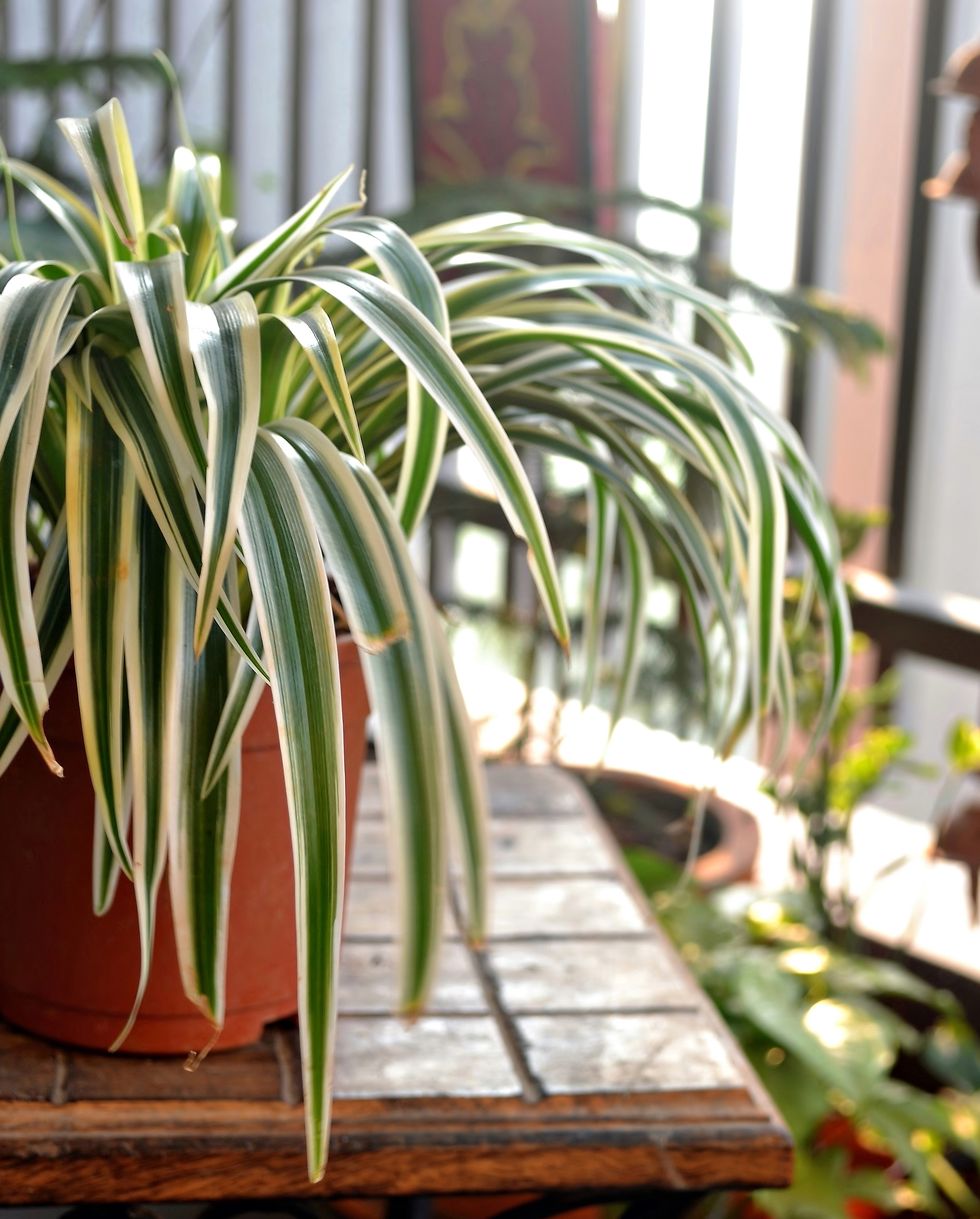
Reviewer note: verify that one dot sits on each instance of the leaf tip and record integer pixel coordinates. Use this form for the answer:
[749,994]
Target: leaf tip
[410,1012]
[52,763]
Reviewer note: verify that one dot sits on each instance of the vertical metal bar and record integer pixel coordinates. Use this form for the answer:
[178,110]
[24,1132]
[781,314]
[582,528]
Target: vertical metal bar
[720,133]
[4,45]
[233,50]
[109,42]
[413,42]
[368,115]
[936,17]
[717,182]
[54,33]
[167,38]
[825,17]
[297,122]
[54,25]
[584,67]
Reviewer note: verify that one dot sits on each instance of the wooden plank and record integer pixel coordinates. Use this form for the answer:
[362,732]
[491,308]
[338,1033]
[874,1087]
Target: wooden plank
[253,1071]
[29,1069]
[248,1150]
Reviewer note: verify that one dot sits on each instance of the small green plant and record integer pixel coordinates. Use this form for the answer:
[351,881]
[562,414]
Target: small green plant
[193,437]
[876,1073]
[861,753]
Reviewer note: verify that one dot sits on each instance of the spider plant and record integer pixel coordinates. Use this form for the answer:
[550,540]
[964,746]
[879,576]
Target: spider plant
[193,439]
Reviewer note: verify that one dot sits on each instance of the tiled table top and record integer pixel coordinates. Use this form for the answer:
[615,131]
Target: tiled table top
[573,1051]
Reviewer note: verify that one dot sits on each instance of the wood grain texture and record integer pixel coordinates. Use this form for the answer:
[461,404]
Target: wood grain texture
[573,1051]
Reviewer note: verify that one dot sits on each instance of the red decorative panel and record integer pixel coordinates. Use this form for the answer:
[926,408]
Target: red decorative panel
[503,89]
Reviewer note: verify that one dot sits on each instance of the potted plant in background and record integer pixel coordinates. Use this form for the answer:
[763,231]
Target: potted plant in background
[874,1066]
[212,458]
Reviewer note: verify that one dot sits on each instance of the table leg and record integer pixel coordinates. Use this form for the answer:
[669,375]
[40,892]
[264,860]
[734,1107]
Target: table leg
[415,1206]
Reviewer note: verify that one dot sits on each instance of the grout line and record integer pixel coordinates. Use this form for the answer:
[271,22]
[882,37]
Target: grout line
[530,1084]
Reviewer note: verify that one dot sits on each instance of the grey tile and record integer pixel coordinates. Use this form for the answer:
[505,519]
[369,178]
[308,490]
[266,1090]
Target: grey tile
[373,913]
[588,975]
[541,845]
[370,852]
[437,1056]
[574,905]
[626,1053]
[535,791]
[369,980]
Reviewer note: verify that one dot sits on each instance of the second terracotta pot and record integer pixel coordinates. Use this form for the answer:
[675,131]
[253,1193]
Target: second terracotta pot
[70,976]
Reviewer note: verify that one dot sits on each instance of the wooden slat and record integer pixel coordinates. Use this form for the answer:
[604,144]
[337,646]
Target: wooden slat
[573,1051]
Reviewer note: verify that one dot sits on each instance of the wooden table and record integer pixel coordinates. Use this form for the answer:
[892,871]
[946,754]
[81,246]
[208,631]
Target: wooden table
[573,1053]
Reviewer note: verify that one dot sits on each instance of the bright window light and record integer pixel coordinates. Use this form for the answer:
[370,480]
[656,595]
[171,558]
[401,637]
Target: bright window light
[768,155]
[673,110]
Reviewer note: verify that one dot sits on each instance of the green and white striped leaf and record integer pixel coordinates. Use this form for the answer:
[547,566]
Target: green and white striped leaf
[105,865]
[405,268]
[154,292]
[226,347]
[21,660]
[165,478]
[469,801]
[510,230]
[31,313]
[600,547]
[100,501]
[150,653]
[357,551]
[51,603]
[101,143]
[292,597]
[678,529]
[282,248]
[638,577]
[243,696]
[413,749]
[193,199]
[388,613]
[315,335]
[283,372]
[71,215]
[203,830]
[416,342]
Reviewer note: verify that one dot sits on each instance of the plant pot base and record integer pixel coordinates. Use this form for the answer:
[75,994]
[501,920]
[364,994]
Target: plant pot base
[160,1034]
[71,976]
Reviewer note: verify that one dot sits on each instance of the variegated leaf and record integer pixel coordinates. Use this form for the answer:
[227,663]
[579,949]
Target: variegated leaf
[296,618]
[226,349]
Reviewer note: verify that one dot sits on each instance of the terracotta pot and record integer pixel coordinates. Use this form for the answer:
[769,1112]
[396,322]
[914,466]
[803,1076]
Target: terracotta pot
[657,806]
[70,976]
